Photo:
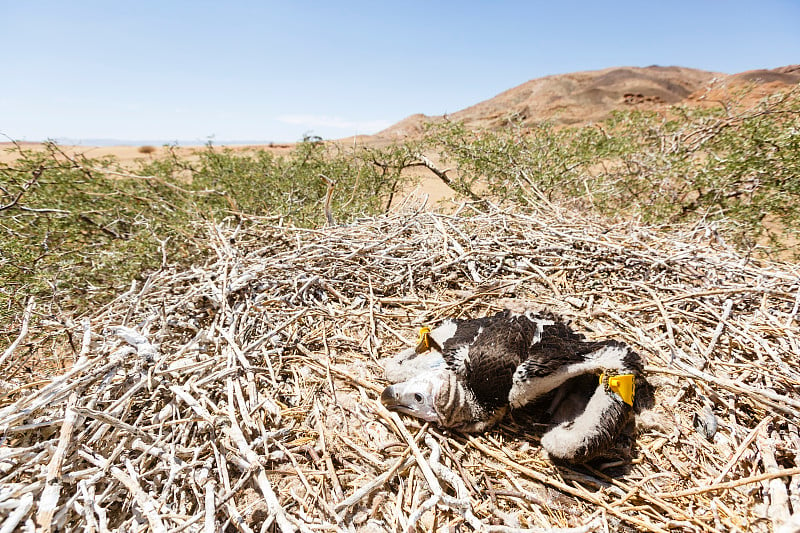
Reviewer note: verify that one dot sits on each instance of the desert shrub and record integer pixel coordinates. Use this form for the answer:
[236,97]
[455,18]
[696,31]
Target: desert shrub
[74,231]
[259,183]
[735,164]
[69,232]
[511,166]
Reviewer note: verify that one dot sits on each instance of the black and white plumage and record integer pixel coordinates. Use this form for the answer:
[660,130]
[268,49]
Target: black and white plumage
[477,369]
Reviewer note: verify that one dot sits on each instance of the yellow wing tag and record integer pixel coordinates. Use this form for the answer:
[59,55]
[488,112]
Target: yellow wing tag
[425,340]
[624,385]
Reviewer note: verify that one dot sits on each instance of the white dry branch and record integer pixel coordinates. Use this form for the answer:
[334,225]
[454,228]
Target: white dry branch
[243,392]
[23,331]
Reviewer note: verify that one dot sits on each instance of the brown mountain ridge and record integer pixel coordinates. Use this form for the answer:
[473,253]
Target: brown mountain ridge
[590,96]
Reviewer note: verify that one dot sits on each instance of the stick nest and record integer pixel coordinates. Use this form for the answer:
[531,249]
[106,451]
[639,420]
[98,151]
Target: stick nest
[242,394]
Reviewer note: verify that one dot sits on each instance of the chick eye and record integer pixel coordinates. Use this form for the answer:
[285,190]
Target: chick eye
[418,397]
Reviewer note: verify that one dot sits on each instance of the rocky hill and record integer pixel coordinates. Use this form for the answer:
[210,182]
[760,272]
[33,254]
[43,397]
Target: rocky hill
[582,97]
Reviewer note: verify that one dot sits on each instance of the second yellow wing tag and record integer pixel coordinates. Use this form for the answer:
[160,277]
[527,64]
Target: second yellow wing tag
[624,385]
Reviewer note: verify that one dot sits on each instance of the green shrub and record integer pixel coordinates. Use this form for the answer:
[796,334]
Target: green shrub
[74,231]
[728,163]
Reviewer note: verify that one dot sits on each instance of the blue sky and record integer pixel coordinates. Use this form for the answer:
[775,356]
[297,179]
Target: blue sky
[273,71]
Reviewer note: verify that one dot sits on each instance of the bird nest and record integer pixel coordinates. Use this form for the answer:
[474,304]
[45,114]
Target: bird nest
[243,393]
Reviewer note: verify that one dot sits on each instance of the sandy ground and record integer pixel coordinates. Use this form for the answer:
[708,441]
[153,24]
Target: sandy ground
[127,155]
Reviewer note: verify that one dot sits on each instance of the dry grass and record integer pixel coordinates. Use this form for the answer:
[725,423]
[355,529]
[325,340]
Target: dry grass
[241,394]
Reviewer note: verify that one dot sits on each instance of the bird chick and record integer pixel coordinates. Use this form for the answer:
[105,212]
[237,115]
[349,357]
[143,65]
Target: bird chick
[476,370]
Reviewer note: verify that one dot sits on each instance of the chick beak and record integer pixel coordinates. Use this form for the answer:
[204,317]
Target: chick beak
[390,398]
